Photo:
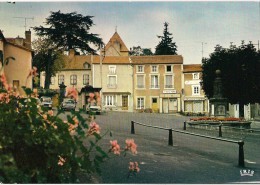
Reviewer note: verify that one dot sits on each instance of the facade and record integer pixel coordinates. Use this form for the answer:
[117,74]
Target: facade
[113,72]
[157,83]
[76,73]
[193,97]
[17,70]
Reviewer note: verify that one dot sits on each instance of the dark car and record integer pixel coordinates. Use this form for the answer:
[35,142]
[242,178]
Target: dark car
[68,104]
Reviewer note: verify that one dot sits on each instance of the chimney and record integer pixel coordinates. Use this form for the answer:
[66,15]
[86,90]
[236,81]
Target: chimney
[72,53]
[28,39]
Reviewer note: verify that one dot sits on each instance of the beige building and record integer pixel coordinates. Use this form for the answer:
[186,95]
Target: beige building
[113,73]
[17,70]
[193,97]
[157,83]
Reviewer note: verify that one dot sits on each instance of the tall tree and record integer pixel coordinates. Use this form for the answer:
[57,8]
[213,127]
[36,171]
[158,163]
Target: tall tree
[240,75]
[47,58]
[70,31]
[166,46]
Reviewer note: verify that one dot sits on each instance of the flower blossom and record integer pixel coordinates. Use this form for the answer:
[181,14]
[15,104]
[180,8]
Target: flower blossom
[33,72]
[61,161]
[133,167]
[93,128]
[115,147]
[50,112]
[130,145]
[72,93]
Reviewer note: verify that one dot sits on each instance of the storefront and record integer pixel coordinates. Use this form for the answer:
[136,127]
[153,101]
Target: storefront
[170,102]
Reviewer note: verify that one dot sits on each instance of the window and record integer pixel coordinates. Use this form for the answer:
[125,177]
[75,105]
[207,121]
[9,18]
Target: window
[112,82]
[169,81]
[85,79]
[168,68]
[154,82]
[195,90]
[60,79]
[112,69]
[86,65]
[196,76]
[140,103]
[52,80]
[140,81]
[16,84]
[140,69]
[73,79]
[110,100]
[154,69]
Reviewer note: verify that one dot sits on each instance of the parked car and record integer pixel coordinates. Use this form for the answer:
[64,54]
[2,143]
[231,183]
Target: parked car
[94,109]
[68,104]
[46,102]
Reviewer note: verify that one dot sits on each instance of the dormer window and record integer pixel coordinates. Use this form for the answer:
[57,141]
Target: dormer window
[86,65]
[196,76]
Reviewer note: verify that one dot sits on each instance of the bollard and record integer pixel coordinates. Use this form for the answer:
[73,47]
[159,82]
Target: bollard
[170,141]
[184,126]
[219,130]
[132,127]
[241,161]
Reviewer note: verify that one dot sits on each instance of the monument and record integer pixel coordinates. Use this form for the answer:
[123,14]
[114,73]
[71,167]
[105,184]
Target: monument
[218,104]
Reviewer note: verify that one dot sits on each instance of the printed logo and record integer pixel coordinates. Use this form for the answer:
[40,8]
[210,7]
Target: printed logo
[247,172]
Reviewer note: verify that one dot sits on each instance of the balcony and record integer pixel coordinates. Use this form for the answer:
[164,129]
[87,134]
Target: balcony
[168,86]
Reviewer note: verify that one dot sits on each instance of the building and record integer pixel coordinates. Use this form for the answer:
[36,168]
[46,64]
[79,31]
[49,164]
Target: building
[157,83]
[193,97]
[113,72]
[18,69]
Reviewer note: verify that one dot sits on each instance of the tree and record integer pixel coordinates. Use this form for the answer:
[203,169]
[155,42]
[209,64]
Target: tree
[70,31]
[166,46]
[138,51]
[239,67]
[47,58]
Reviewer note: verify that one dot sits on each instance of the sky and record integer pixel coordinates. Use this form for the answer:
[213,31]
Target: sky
[196,26]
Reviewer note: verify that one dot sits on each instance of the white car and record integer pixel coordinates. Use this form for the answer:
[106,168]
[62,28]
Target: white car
[93,109]
[68,104]
[46,102]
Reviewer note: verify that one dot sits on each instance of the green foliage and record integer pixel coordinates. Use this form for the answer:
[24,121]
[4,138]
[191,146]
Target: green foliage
[138,51]
[38,147]
[166,46]
[239,67]
[70,31]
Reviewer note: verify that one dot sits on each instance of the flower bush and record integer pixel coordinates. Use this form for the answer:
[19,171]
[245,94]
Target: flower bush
[37,146]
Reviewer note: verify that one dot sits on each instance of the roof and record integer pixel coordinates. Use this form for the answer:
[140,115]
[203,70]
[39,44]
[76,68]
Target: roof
[157,59]
[77,62]
[192,68]
[116,38]
[112,60]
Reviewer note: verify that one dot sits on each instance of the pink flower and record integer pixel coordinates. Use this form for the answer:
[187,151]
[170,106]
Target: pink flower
[130,145]
[93,128]
[33,72]
[133,167]
[50,112]
[76,121]
[61,161]
[115,147]
[72,93]
[91,95]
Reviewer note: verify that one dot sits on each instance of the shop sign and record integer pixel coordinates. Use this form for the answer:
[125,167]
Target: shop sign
[169,91]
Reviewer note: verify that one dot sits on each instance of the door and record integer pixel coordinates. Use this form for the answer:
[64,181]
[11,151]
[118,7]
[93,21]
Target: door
[165,106]
[173,105]
[124,102]
[155,104]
